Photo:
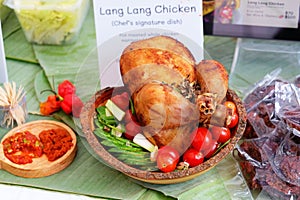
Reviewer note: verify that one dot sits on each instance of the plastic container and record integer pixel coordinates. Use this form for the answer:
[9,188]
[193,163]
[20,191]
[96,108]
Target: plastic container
[50,21]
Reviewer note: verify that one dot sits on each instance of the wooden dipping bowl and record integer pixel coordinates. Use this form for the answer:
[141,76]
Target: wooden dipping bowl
[87,121]
[40,167]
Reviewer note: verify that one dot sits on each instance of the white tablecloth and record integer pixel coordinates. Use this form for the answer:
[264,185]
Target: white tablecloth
[11,192]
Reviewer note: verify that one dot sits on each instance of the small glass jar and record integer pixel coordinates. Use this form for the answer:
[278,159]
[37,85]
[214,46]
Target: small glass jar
[12,116]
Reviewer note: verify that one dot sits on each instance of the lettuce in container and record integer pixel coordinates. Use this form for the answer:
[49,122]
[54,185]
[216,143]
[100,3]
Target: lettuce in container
[53,22]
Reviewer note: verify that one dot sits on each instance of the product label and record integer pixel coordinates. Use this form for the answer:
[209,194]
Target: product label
[3,70]
[118,23]
[269,13]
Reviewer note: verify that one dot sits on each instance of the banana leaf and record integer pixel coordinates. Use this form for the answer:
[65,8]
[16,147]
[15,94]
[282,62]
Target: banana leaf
[17,48]
[23,74]
[15,44]
[221,182]
[78,63]
[265,57]
[220,49]
[10,25]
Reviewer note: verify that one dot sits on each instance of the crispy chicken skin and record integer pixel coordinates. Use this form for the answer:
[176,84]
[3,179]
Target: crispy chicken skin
[213,78]
[140,58]
[163,43]
[166,116]
[159,106]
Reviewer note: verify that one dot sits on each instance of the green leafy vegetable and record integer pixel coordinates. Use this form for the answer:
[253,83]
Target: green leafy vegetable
[125,150]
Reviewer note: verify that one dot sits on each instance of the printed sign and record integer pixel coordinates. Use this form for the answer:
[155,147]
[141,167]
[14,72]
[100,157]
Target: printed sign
[269,13]
[118,23]
[3,70]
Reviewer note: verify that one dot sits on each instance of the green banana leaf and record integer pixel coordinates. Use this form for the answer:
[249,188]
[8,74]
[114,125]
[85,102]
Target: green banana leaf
[221,182]
[50,65]
[10,27]
[15,44]
[220,49]
[16,47]
[265,57]
[23,74]
[76,62]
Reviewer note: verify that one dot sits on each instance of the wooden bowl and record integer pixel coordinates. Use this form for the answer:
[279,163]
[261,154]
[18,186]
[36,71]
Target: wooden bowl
[40,167]
[87,121]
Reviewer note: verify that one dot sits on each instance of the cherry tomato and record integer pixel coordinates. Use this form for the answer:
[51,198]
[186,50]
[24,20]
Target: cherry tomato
[201,139]
[167,159]
[121,100]
[131,129]
[193,157]
[231,105]
[234,120]
[213,149]
[221,134]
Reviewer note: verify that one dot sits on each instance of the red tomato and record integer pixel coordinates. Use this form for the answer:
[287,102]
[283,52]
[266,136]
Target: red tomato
[167,159]
[234,120]
[131,129]
[129,116]
[201,139]
[121,100]
[213,149]
[193,157]
[221,134]
[231,105]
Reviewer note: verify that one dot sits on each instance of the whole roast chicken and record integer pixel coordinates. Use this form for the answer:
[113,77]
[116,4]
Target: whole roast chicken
[171,93]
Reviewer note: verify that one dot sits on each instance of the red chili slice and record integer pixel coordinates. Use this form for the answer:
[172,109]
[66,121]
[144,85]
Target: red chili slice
[21,147]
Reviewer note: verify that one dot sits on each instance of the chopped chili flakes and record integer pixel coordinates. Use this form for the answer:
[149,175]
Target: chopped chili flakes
[21,147]
[56,142]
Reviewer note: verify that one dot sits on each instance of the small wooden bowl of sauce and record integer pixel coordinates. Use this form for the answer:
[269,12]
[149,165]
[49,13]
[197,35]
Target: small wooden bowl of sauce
[42,163]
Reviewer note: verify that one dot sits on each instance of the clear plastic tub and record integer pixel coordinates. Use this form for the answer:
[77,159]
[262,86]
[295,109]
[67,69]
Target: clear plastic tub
[50,21]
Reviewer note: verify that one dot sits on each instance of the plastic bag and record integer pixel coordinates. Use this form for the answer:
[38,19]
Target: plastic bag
[269,154]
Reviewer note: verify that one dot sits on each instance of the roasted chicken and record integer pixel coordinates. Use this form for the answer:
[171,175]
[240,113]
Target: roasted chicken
[171,93]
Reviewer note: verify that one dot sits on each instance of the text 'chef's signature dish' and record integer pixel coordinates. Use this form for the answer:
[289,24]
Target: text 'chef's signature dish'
[172,114]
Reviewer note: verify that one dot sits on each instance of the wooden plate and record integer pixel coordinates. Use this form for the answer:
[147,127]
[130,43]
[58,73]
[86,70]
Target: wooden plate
[40,166]
[87,121]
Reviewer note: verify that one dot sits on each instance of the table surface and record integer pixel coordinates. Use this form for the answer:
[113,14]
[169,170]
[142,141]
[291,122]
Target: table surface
[37,67]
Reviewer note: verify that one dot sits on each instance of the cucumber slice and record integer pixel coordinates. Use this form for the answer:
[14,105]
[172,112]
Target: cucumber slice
[141,140]
[117,112]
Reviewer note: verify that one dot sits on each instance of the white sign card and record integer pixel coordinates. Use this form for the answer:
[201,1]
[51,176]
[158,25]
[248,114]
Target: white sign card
[3,70]
[270,13]
[120,22]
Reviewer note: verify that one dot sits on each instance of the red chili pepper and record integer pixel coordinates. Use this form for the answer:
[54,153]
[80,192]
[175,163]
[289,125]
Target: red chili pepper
[66,87]
[71,103]
[51,105]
